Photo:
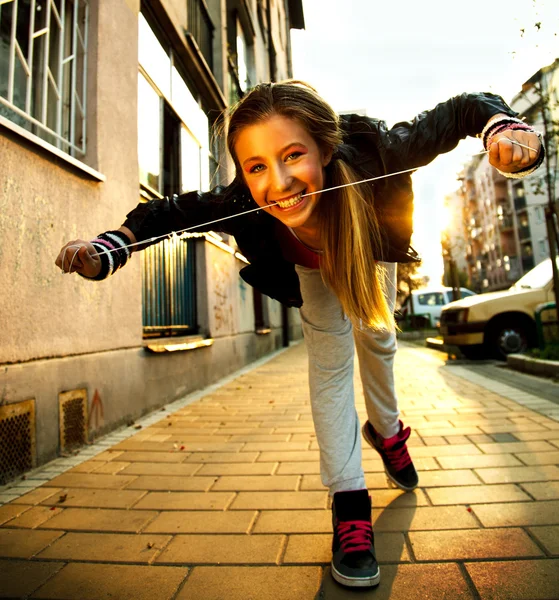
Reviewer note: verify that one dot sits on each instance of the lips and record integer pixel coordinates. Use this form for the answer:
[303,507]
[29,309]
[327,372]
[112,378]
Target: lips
[291,201]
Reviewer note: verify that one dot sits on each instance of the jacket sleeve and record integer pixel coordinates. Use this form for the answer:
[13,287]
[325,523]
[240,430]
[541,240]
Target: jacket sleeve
[196,211]
[416,143]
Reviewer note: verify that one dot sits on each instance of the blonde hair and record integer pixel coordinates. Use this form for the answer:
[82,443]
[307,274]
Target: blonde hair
[349,228]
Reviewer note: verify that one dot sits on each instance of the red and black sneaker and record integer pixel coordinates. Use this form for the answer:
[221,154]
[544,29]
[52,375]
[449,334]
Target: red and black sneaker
[395,456]
[354,563]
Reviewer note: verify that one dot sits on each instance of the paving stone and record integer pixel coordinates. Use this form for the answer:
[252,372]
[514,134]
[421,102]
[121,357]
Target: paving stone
[539,458]
[159,469]
[317,548]
[222,457]
[252,583]
[472,544]
[24,543]
[279,500]
[153,457]
[235,468]
[503,438]
[185,500]
[82,581]
[518,514]
[294,521]
[37,496]
[94,498]
[91,481]
[458,477]
[222,549]
[111,468]
[548,537]
[447,450]
[105,547]
[19,578]
[298,468]
[477,494]
[515,447]
[519,474]
[34,517]
[548,490]
[481,438]
[171,483]
[423,518]
[404,582]
[95,519]
[308,456]
[202,522]
[478,462]
[256,483]
[548,435]
[10,511]
[519,579]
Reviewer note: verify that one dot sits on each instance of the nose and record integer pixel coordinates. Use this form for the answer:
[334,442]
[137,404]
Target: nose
[282,180]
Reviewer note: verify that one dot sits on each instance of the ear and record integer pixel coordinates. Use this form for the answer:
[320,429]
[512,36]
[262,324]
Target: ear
[327,157]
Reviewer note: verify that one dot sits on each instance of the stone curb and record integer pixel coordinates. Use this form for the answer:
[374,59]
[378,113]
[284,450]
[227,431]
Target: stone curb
[535,366]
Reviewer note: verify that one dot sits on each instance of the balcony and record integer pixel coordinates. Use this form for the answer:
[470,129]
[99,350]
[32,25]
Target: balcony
[201,28]
[519,203]
[524,233]
[506,223]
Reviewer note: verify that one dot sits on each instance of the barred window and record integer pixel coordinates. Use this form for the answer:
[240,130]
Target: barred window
[43,64]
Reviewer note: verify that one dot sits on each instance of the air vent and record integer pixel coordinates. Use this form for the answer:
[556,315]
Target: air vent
[73,419]
[17,439]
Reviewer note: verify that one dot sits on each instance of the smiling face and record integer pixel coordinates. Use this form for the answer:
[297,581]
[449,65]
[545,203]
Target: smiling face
[280,162]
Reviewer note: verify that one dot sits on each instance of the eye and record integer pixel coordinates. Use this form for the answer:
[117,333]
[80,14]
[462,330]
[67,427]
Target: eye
[293,155]
[256,168]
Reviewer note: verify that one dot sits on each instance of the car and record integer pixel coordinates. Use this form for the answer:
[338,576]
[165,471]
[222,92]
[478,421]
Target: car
[427,305]
[499,323]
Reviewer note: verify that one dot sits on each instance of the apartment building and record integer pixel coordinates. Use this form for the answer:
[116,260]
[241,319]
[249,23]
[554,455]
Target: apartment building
[102,105]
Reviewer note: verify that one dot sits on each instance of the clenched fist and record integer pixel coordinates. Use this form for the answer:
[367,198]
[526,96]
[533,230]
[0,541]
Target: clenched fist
[508,156]
[80,257]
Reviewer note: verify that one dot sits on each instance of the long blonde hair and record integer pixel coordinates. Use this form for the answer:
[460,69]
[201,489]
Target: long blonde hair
[348,224]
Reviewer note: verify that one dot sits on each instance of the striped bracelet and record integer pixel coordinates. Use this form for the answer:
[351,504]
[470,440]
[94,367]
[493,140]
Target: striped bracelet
[112,251]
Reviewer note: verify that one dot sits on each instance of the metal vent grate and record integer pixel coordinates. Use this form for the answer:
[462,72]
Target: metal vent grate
[17,439]
[73,419]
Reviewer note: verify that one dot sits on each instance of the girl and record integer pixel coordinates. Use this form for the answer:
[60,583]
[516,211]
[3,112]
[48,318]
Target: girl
[328,246]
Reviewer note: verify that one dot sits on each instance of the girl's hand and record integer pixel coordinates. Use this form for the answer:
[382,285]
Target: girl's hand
[510,157]
[79,257]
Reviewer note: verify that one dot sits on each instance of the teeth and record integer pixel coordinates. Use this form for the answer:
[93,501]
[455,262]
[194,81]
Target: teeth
[291,202]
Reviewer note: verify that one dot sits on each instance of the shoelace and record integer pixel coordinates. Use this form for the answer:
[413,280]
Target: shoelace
[398,454]
[355,536]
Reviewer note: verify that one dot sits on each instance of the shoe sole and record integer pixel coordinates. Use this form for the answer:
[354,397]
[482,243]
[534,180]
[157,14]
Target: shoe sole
[355,581]
[396,483]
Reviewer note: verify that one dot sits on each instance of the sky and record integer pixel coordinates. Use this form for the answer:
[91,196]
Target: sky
[397,58]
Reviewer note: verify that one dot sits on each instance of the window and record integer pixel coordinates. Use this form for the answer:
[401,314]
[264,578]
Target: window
[174,157]
[43,67]
[431,299]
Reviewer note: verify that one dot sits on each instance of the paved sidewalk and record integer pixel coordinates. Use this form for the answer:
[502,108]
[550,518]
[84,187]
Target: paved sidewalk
[222,499]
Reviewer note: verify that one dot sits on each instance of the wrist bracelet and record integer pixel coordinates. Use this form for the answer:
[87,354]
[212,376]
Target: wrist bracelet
[112,252]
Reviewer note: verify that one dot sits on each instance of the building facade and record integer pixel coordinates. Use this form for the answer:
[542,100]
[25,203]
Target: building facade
[505,227]
[103,105]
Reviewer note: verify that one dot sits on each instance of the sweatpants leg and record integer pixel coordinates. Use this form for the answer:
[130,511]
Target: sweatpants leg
[329,341]
[376,351]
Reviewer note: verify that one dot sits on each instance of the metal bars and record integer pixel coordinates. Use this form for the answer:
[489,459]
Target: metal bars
[43,66]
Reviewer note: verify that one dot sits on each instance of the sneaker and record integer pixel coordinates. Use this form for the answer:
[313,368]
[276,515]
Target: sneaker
[395,456]
[353,562]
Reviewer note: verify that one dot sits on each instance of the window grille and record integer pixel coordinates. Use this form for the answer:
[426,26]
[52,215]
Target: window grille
[43,65]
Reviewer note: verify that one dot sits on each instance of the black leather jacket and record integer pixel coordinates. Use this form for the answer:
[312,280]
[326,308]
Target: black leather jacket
[371,148]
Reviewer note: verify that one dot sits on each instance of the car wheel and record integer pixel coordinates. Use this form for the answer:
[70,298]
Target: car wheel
[475,352]
[508,337]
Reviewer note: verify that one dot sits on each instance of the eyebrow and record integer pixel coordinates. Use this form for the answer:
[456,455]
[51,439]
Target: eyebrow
[284,149]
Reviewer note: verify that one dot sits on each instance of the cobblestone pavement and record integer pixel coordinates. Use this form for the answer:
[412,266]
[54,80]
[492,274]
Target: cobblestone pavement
[220,498]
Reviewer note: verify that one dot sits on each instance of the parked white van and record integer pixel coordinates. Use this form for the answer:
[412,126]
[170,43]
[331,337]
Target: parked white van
[427,305]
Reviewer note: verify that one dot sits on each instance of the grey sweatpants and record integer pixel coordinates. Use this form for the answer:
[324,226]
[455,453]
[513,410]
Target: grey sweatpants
[331,340]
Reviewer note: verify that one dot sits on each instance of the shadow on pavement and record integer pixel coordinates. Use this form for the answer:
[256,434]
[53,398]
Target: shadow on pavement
[390,523]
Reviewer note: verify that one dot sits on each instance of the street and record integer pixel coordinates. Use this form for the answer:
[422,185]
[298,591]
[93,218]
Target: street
[219,496]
